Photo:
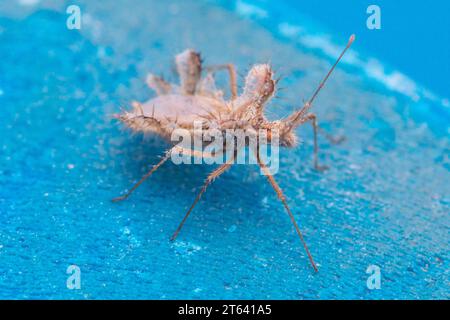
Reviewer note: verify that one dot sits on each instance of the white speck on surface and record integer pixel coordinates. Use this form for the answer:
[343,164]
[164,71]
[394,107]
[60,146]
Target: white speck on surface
[70,166]
[186,247]
[79,94]
[265,200]
[126,230]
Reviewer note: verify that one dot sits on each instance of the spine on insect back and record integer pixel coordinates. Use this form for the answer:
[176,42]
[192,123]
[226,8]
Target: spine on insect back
[139,123]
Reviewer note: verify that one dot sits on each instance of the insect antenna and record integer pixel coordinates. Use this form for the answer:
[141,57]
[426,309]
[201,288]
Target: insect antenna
[322,84]
[293,119]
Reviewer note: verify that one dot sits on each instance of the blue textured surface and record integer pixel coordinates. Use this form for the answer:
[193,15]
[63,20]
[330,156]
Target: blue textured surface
[385,201]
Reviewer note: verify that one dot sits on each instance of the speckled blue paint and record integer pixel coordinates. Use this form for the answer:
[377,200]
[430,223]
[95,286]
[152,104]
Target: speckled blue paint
[385,200]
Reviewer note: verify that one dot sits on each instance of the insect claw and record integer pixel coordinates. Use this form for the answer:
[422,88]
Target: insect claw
[121,198]
[338,140]
[173,237]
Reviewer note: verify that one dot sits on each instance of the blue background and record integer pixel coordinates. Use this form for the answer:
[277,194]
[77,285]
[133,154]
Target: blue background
[414,35]
[384,201]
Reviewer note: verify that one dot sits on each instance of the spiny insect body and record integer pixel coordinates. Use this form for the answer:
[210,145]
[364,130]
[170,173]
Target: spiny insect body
[196,99]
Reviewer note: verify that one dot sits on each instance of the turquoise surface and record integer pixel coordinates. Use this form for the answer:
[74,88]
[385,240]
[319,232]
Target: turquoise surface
[385,200]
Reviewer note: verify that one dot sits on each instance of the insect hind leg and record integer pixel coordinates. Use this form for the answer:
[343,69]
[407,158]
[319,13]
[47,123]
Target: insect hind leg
[232,74]
[212,176]
[145,177]
[282,197]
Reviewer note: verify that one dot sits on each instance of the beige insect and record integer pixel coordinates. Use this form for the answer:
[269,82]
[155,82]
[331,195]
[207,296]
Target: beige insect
[198,99]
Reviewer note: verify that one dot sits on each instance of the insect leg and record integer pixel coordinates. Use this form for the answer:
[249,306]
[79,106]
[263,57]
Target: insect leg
[148,174]
[329,137]
[232,73]
[313,118]
[334,140]
[293,119]
[207,87]
[158,84]
[281,196]
[189,68]
[213,175]
[196,153]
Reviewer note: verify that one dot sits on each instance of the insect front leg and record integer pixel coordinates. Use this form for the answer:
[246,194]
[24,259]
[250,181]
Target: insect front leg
[145,177]
[232,74]
[212,176]
[313,119]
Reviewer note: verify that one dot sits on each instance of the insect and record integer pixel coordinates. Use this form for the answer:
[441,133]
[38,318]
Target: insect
[196,98]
